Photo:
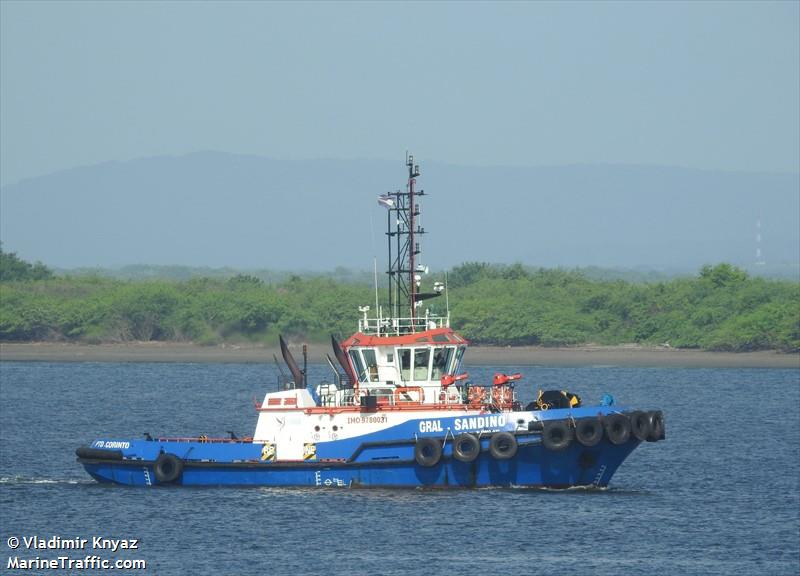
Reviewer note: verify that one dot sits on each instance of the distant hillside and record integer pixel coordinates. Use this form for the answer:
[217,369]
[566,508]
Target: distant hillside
[246,212]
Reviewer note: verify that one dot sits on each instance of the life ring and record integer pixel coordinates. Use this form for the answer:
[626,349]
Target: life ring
[427,452]
[656,421]
[503,446]
[640,425]
[557,435]
[167,468]
[466,447]
[618,428]
[476,395]
[502,395]
[588,431]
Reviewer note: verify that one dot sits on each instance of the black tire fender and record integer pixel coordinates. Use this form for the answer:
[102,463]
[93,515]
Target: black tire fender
[167,468]
[640,424]
[87,453]
[427,452]
[655,420]
[466,447]
[588,431]
[618,428]
[557,435]
[503,446]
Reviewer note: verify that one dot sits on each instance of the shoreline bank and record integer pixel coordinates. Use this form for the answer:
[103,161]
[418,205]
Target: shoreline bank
[626,355]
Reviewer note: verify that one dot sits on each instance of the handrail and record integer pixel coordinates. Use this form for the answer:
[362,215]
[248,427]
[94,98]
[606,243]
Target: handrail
[400,326]
[207,440]
[472,395]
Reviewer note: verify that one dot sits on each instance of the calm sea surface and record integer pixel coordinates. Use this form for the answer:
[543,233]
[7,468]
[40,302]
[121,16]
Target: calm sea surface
[719,496]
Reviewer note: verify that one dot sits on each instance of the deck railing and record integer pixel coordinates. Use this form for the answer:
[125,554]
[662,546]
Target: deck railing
[499,397]
[399,326]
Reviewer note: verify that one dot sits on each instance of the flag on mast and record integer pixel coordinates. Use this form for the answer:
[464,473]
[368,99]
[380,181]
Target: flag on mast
[386,201]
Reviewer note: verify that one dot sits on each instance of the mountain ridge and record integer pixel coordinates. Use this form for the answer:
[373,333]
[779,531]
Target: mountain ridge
[218,209]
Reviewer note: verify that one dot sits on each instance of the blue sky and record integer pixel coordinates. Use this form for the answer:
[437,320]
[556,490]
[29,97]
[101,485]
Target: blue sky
[711,85]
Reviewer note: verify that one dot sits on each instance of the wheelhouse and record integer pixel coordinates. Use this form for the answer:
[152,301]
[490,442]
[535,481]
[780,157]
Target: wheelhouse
[416,359]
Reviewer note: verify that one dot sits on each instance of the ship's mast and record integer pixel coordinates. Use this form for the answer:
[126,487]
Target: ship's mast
[405,271]
[413,210]
[403,285]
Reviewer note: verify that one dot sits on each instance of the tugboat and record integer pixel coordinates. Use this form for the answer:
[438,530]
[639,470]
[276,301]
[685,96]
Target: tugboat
[398,411]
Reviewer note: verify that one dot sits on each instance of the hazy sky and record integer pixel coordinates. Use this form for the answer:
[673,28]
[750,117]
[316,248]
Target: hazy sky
[708,85]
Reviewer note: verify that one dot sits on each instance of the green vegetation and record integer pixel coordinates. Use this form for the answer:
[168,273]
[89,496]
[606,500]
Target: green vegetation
[720,309]
[205,311]
[13,268]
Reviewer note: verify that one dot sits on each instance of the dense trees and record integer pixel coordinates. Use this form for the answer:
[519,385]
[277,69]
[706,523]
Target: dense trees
[13,268]
[720,309]
[200,310]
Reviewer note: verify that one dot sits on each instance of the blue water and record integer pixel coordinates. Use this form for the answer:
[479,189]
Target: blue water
[719,496]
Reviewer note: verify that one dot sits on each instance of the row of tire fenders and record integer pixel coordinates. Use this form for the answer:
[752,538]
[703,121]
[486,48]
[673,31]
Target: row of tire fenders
[556,435]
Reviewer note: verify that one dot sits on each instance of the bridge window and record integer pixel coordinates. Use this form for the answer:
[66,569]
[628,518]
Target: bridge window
[372,364]
[459,356]
[358,365]
[422,358]
[441,362]
[405,363]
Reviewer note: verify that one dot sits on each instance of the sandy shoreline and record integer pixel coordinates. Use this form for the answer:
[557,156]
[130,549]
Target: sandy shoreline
[628,355]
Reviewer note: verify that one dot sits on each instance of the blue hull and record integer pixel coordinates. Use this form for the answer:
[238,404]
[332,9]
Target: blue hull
[555,451]
[532,466]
